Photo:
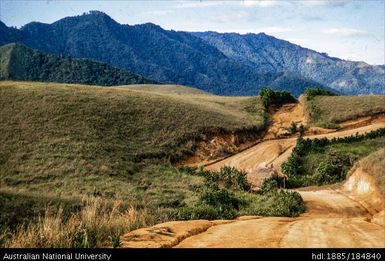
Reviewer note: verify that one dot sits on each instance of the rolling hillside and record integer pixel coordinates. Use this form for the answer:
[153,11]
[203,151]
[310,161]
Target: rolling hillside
[18,62]
[100,157]
[52,132]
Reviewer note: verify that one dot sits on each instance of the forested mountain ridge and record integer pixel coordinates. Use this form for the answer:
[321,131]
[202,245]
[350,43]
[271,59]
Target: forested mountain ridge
[225,64]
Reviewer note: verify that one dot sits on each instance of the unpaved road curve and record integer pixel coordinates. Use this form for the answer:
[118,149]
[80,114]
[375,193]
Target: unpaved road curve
[277,151]
[331,220]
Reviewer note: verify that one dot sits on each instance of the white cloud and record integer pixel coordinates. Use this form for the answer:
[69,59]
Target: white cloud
[348,32]
[276,29]
[157,12]
[261,3]
[198,4]
[332,3]
[230,18]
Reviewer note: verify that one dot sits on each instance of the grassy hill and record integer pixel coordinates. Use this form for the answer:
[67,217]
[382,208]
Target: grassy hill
[328,111]
[62,144]
[18,62]
[52,130]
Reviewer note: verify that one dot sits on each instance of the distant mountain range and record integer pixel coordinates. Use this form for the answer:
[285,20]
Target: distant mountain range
[268,53]
[18,62]
[225,64]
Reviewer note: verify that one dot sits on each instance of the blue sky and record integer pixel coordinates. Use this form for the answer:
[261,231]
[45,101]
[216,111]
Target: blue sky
[348,29]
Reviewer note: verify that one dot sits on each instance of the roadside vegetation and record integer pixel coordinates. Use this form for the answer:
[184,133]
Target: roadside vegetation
[323,161]
[98,222]
[325,109]
[226,195]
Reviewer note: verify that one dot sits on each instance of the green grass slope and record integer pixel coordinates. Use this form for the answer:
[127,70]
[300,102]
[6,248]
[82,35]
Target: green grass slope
[18,62]
[71,135]
[330,110]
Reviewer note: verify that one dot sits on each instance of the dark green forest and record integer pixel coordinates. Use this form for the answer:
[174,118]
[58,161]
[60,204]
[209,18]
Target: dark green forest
[18,62]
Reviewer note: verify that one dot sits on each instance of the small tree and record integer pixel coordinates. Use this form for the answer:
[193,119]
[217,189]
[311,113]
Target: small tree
[301,130]
[293,128]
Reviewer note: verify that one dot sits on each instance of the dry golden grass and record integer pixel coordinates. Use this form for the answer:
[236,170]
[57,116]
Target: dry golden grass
[95,226]
[330,110]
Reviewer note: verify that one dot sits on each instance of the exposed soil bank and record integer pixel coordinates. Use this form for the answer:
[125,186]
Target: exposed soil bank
[215,145]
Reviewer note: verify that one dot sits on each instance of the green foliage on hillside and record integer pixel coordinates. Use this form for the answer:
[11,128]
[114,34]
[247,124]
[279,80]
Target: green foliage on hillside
[18,62]
[310,93]
[277,98]
[225,195]
[323,161]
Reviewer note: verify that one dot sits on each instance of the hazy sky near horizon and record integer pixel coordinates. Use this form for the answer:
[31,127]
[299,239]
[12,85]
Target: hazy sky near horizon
[348,29]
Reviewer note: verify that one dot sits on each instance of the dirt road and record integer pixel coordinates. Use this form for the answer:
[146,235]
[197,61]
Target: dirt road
[277,151]
[333,218]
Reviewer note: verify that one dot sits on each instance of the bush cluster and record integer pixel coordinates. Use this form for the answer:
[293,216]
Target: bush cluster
[312,92]
[332,170]
[226,195]
[278,98]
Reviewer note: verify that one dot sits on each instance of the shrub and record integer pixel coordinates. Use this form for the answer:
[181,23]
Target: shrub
[275,202]
[301,130]
[290,203]
[334,169]
[203,211]
[293,128]
[269,185]
[326,173]
[220,197]
[225,195]
[227,177]
[278,98]
[213,203]
[312,92]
